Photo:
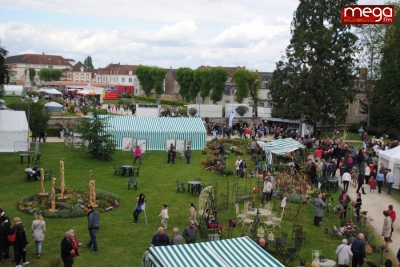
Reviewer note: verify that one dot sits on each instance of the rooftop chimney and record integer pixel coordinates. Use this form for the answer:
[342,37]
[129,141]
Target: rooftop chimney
[43,53]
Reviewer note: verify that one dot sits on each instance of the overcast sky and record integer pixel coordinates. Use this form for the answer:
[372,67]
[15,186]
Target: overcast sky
[177,33]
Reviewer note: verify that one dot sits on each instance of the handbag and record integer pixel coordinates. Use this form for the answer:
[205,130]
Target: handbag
[11,238]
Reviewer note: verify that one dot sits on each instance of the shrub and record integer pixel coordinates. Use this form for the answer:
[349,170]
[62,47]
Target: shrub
[182,110]
[58,100]
[120,96]
[192,111]
[52,131]
[49,214]
[77,212]
[64,214]
[65,205]
[241,110]
[102,111]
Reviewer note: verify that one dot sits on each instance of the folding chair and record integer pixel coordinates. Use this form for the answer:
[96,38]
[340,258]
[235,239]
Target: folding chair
[269,225]
[277,221]
[239,216]
[47,174]
[132,181]
[36,159]
[247,223]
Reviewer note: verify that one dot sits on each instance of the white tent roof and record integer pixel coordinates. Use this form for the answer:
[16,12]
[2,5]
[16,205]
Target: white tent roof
[390,154]
[53,104]
[391,160]
[13,128]
[281,146]
[240,252]
[50,91]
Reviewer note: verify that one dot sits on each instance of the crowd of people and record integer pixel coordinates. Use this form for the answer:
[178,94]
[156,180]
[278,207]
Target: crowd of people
[14,235]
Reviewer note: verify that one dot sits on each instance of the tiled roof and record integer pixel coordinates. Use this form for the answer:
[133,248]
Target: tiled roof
[117,68]
[77,68]
[38,59]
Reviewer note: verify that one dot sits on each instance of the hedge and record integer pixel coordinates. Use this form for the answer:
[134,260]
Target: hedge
[163,101]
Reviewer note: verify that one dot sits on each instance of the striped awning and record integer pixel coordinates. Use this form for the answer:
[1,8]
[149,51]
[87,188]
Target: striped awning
[281,146]
[157,130]
[240,252]
[281,120]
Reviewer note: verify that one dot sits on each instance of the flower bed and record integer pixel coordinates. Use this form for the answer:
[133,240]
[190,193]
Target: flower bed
[74,205]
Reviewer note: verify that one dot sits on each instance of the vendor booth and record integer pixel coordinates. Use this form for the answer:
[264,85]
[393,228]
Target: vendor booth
[53,107]
[391,160]
[279,147]
[240,251]
[13,90]
[13,129]
[157,130]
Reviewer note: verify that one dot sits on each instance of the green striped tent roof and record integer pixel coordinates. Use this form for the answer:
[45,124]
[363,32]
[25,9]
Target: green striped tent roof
[156,130]
[279,119]
[240,252]
[281,146]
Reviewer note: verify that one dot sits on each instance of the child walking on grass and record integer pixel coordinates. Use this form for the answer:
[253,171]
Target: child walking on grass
[372,183]
[164,216]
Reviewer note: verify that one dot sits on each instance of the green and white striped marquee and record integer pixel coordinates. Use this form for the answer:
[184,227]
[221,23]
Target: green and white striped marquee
[240,252]
[281,146]
[156,130]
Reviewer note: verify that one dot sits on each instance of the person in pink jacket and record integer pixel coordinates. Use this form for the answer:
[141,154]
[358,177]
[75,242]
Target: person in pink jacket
[138,155]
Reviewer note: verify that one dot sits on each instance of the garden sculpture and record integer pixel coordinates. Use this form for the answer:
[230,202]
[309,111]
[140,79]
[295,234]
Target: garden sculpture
[53,196]
[92,190]
[43,193]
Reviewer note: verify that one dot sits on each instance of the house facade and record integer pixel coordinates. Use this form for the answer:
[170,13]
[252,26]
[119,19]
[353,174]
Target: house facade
[117,74]
[21,63]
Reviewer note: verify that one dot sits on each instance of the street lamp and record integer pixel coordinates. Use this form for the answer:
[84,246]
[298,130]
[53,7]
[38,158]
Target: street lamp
[199,101]
[34,99]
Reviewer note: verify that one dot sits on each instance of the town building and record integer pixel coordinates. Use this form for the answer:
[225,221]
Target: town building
[21,63]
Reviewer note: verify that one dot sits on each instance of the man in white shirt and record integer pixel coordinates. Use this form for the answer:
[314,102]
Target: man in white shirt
[237,163]
[389,180]
[271,179]
[346,178]
[266,191]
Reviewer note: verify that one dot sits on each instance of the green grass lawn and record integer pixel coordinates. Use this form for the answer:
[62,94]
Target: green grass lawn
[350,136]
[11,99]
[122,243]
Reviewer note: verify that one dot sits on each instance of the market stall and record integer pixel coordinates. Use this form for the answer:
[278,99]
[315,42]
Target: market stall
[240,251]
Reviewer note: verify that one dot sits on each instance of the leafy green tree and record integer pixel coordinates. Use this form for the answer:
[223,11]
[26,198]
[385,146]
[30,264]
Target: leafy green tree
[144,75]
[32,74]
[185,79]
[38,120]
[255,84]
[5,71]
[101,144]
[241,78]
[370,41]
[158,77]
[202,78]
[88,62]
[194,87]
[218,77]
[56,74]
[386,107]
[315,82]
